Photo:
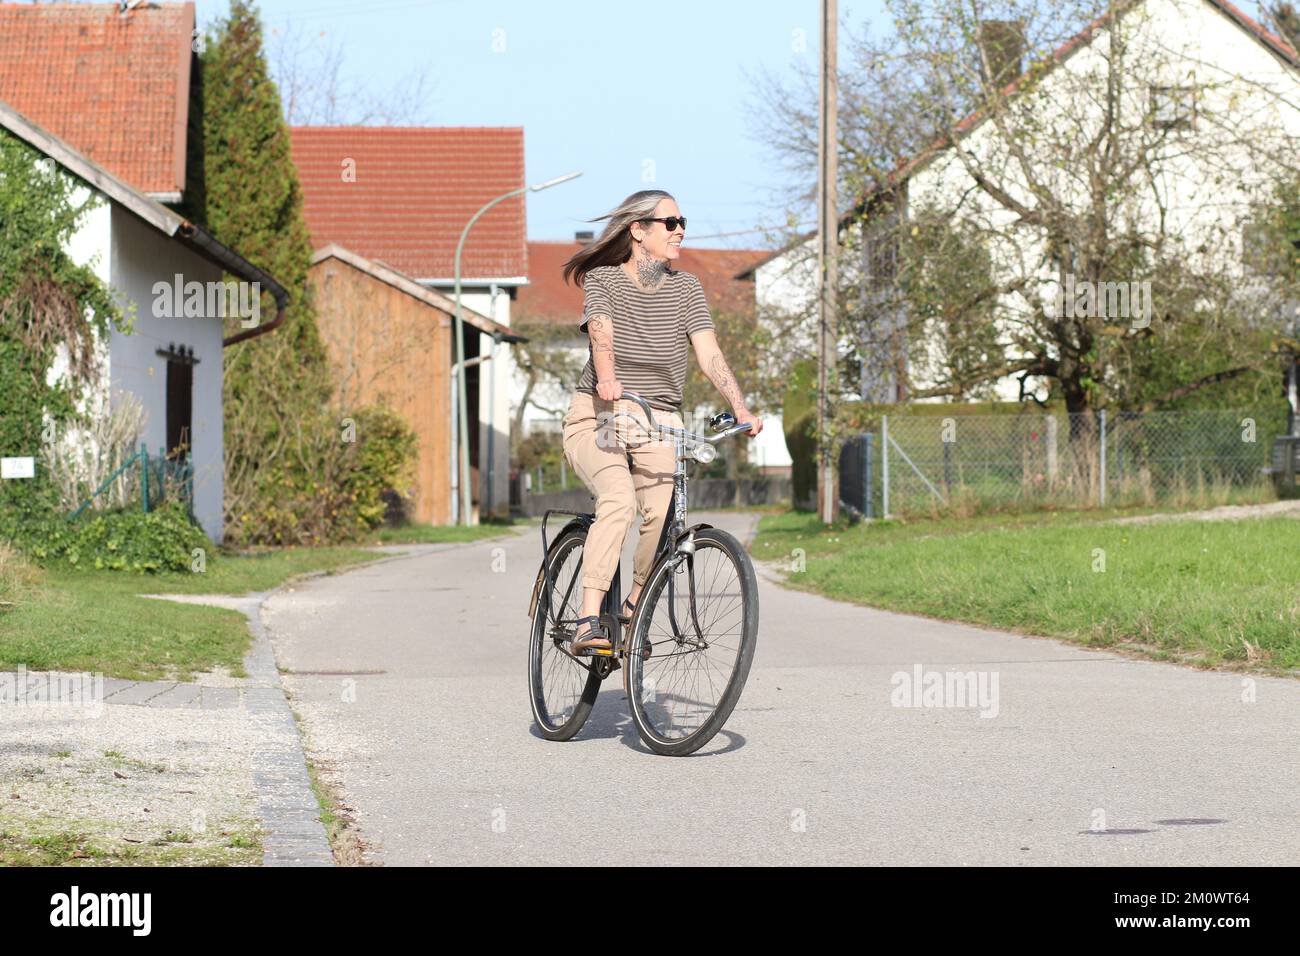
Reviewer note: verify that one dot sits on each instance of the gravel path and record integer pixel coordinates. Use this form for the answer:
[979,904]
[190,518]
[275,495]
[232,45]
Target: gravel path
[1274,509]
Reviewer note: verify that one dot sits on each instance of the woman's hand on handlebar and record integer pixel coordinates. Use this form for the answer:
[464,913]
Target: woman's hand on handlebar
[755,423]
[611,390]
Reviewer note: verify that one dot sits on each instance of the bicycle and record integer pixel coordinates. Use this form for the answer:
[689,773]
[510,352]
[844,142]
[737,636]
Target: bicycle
[690,606]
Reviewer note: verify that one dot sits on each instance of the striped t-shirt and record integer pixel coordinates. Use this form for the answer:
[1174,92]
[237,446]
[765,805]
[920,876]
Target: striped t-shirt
[650,331]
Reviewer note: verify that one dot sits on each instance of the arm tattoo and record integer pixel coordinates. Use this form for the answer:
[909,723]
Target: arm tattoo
[601,331]
[721,376]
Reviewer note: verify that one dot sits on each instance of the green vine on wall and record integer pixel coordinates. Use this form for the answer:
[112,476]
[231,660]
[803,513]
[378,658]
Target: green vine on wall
[46,300]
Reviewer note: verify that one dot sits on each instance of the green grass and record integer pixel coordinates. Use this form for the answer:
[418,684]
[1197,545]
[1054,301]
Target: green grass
[95,620]
[1224,593]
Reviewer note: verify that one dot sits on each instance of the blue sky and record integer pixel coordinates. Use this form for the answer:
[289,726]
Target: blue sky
[602,87]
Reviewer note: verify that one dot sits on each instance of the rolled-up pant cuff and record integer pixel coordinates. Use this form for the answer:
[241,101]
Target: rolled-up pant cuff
[600,584]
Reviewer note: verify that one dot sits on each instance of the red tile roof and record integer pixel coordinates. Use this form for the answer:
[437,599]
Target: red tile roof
[547,298]
[114,86]
[415,189]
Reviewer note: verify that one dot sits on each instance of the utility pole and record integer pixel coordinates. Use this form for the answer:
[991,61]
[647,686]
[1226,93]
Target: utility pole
[827,255]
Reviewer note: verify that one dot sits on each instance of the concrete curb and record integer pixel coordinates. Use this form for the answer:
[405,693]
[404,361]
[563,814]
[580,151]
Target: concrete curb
[287,807]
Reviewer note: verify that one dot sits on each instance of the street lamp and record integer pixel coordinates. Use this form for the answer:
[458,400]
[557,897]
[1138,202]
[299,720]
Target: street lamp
[462,422]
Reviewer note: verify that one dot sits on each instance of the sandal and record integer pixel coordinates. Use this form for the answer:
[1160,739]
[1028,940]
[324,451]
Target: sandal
[592,641]
[625,615]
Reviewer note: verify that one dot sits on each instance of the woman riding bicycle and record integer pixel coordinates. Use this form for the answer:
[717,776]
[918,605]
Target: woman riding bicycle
[638,313]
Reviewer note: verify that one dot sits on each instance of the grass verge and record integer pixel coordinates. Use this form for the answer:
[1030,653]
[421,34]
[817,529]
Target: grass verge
[1215,594]
[86,620]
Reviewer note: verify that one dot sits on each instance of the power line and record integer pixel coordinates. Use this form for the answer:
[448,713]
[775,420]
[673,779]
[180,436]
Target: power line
[746,232]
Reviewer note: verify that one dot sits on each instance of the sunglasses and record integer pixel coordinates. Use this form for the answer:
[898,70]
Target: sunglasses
[670,221]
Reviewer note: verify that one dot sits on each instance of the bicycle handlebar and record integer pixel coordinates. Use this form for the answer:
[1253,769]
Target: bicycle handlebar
[733,430]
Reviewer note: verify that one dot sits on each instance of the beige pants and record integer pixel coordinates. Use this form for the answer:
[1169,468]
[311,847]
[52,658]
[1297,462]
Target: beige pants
[627,468]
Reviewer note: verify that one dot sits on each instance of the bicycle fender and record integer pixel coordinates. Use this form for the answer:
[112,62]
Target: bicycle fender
[541,568]
[688,532]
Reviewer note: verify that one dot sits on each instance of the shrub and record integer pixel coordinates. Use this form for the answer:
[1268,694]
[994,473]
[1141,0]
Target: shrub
[92,447]
[334,486]
[162,540]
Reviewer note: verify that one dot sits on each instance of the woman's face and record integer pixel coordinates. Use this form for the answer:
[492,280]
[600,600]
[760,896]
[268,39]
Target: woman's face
[656,239]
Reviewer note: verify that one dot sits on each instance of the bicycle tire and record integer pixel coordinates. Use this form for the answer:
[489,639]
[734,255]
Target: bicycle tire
[646,612]
[544,655]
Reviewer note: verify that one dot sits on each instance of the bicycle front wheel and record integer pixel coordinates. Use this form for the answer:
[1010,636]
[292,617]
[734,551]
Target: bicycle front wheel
[561,688]
[698,616]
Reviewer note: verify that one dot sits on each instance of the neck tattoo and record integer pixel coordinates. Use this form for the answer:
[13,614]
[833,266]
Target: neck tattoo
[649,270]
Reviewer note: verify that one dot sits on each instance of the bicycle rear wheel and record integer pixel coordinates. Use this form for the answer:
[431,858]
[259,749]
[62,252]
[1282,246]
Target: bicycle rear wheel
[562,689]
[683,694]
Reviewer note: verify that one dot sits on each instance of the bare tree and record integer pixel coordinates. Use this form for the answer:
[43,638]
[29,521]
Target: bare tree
[315,89]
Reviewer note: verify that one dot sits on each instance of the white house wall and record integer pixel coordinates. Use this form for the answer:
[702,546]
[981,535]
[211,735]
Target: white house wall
[140,257]
[494,397]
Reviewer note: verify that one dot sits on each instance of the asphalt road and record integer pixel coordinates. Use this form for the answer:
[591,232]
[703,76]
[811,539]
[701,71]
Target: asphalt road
[410,679]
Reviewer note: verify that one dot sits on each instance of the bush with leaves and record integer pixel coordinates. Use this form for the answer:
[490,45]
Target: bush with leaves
[335,486]
[162,540]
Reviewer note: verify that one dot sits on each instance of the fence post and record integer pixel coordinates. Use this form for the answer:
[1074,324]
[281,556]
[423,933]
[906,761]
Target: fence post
[1052,470]
[866,476]
[1102,486]
[144,483]
[884,466]
[947,467]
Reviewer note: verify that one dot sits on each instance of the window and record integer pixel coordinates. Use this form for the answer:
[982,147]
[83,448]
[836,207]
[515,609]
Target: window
[1173,107]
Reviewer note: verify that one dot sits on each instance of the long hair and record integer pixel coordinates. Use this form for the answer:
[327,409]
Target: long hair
[614,247]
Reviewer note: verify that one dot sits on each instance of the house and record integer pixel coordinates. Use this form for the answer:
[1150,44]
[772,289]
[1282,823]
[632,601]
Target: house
[1181,52]
[104,91]
[389,339]
[400,197]
[153,259]
[548,301]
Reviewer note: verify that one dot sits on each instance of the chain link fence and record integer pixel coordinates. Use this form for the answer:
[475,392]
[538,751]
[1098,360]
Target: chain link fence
[967,463]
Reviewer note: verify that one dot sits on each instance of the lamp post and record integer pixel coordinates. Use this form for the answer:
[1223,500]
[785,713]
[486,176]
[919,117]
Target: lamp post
[462,422]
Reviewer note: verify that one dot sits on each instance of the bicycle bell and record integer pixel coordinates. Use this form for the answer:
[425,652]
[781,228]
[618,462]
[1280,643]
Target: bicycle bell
[722,421]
